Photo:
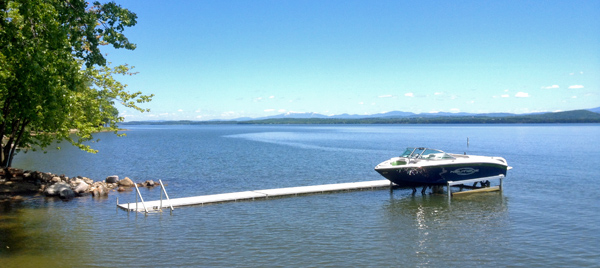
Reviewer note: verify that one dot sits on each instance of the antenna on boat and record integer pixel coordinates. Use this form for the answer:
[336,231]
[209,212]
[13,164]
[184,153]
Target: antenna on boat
[467,142]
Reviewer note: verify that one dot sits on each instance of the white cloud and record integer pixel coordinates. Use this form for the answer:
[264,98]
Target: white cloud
[269,110]
[361,103]
[575,86]
[409,94]
[281,110]
[455,110]
[434,112]
[180,110]
[271,97]
[385,96]
[522,95]
[438,93]
[198,116]
[228,114]
[550,87]
[574,97]
[504,95]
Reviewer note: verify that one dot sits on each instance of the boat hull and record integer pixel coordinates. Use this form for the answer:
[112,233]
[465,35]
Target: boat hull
[440,174]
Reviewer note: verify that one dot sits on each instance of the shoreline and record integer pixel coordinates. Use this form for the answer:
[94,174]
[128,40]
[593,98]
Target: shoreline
[16,184]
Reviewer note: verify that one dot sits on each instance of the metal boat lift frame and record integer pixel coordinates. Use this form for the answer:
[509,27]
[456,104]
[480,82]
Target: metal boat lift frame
[477,190]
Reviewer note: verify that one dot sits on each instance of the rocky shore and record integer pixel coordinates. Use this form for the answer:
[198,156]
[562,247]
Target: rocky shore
[16,183]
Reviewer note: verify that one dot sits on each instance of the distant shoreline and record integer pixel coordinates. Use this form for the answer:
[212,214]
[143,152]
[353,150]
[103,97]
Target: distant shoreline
[569,117]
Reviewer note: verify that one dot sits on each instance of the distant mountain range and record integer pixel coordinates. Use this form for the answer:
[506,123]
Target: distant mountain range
[398,117]
[394,114]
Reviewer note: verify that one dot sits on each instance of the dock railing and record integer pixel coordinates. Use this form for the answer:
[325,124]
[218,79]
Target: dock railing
[145,208]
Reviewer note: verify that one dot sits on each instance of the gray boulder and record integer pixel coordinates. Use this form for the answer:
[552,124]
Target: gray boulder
[54,189]
[66,194]
[112,179]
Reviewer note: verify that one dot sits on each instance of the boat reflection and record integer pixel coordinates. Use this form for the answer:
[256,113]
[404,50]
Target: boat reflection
[423,227]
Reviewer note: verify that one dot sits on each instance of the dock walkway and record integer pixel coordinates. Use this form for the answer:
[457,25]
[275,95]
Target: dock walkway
[257,194]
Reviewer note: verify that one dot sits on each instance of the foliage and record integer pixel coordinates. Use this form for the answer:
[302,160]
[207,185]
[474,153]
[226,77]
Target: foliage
[53,77]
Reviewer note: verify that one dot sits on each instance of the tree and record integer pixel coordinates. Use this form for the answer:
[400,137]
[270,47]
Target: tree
[53,77]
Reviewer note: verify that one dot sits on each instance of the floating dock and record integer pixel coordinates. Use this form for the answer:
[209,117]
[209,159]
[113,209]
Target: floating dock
[253,195]
[158,205]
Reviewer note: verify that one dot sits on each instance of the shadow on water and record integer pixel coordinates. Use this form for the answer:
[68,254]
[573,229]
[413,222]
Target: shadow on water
[43,232]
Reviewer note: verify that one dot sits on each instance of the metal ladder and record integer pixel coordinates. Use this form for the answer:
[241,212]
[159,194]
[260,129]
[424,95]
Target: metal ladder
[154,209]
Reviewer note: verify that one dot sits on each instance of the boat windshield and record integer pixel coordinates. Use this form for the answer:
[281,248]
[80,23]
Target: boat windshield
[425,153]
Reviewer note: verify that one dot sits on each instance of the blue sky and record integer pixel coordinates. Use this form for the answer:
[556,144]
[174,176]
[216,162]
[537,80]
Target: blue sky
[226,59]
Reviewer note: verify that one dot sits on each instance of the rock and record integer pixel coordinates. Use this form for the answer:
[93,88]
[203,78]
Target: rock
[100,190]
[17,178]
[36,175]
[66,194]
[55,189]
[112,179]
[127,182]
[80,188]
[149,183]
[88,180]
[55,179]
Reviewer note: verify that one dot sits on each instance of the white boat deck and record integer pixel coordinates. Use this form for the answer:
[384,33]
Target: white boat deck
[257,194]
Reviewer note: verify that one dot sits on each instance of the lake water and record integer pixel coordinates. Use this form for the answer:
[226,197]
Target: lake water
[547,215]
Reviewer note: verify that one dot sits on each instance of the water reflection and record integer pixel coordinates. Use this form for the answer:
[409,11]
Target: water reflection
[428,227]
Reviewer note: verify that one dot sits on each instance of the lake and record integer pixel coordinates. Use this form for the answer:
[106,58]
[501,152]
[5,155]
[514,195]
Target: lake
[547,215]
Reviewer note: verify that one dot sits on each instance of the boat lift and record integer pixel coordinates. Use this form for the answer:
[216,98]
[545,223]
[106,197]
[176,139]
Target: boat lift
[484,182]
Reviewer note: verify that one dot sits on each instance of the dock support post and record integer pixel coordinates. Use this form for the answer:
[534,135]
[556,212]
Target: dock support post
[449,190]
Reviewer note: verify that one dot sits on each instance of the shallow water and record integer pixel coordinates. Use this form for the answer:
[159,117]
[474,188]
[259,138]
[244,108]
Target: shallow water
[547,214]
